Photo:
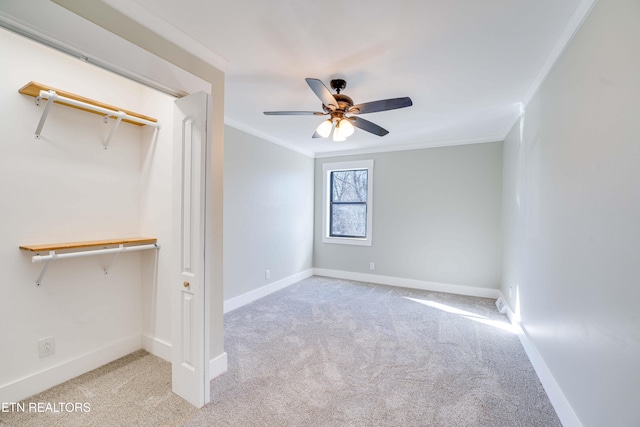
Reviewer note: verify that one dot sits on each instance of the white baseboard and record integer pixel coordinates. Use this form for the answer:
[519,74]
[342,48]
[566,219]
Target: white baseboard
[249,297]
[157,347]
[409,283]
[50,377]
[218,365]
[560,403]
[162,349]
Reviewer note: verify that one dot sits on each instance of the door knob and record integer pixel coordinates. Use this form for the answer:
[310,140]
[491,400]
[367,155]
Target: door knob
[185,284]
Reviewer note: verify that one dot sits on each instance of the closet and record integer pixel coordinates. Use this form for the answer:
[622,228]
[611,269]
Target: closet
[86,176]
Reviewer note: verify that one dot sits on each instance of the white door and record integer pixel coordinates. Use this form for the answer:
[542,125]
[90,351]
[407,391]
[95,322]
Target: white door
[190,343]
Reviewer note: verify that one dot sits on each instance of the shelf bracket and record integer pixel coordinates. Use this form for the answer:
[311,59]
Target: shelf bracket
[52,254]
[115,251]
[51,97]
[113,259]
[119,116]
[75,101]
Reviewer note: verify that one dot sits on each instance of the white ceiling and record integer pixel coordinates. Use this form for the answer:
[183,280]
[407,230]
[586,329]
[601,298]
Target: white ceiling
[467,64]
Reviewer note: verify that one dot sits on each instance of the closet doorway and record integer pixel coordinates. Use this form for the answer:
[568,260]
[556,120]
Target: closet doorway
[163,303]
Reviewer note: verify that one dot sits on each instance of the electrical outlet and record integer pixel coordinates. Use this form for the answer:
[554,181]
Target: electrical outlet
[267,274]
[372,265]
[46,346]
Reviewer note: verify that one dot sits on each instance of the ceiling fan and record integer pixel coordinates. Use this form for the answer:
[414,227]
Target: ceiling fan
[341,110]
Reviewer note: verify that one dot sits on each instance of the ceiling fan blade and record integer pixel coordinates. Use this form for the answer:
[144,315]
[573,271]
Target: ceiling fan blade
[368,126]
[383,105]
[322,92]
[294,113]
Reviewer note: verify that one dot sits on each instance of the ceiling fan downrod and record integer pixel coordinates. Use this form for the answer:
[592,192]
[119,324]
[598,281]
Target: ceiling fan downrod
[338,85]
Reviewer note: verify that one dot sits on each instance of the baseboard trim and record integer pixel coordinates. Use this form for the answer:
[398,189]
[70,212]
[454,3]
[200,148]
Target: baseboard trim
[244,299]
[162,349]
[409,283]
[559,401]
[157,347]
[50,377]
[218,365]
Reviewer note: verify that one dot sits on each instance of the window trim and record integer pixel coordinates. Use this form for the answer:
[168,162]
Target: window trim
[327,168]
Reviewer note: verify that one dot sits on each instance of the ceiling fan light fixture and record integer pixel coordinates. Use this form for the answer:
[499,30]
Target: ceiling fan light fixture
[324,129]
[338,105]
[346,128]
[338,135]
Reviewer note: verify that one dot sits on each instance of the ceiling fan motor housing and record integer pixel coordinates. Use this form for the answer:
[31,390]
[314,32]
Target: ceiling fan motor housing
[344,103]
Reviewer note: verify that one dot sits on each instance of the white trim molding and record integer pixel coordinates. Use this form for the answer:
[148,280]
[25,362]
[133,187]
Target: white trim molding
[409,283]
[157,347]
[327,169]
[576,21]
[218,365]
[35,383]
[162,349]
[158,25]
[249,297]
[262,135]
[411,146]
[559,401]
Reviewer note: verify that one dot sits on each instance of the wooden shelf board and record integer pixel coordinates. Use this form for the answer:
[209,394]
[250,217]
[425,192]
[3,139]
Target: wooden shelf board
[88,244]
[34,88]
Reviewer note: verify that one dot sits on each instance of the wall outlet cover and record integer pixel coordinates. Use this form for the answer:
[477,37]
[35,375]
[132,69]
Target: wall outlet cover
[46,346]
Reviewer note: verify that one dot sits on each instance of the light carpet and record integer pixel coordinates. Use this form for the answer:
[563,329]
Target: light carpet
[327,352]
[132,391]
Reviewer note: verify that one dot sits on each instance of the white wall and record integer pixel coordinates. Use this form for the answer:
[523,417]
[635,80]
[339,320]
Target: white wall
[268,213]
[572,210]
[156,220]
[66,187]
[436,217]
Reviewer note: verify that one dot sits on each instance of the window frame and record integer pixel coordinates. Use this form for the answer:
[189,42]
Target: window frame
[327,168]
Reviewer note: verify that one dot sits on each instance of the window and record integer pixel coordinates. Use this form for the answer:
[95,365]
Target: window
[347,190]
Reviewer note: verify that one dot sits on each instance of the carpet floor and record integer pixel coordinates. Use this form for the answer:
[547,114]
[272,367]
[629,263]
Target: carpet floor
[328,352]
[132,391]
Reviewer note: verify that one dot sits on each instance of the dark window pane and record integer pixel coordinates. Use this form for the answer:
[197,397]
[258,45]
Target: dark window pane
[349,220]
[349,186]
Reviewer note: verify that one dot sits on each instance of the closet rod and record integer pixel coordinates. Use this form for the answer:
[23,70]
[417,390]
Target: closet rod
[53,255]
[53,96]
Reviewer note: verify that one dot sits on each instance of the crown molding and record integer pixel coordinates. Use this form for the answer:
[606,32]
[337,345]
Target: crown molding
[159,26]
[252,131]
[228,121]
[576,21]
[406,147]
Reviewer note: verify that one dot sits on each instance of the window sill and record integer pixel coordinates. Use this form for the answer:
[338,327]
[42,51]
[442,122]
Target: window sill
[347,241]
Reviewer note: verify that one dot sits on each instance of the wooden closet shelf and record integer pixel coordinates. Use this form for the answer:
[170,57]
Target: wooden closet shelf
[88,244]
[34,88]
